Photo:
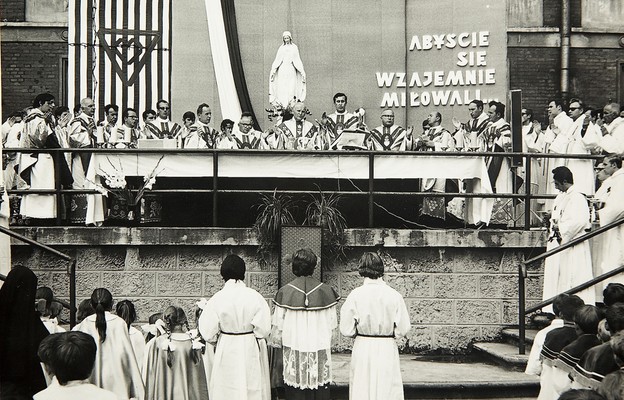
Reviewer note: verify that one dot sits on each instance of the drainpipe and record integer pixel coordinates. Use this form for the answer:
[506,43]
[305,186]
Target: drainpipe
[565,49]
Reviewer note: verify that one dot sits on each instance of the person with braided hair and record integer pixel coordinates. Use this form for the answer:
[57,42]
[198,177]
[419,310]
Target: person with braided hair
[174,367]
[116,368]
[126,311]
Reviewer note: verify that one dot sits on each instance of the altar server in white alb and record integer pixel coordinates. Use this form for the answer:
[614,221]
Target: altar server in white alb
[569,219]
[303,323]
[238,320]
[375,314]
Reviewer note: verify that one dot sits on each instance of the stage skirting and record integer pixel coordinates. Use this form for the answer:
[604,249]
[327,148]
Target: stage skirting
[300,165]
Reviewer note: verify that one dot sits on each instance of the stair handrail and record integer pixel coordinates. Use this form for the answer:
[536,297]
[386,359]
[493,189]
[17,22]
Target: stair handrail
[522,275]
[71,270]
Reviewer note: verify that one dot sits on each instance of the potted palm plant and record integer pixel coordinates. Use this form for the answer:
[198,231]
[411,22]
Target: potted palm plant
[323,211]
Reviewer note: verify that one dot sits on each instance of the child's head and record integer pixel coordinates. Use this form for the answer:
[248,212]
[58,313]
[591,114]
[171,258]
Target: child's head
[581,394]
[617,345]
[615,318]
[612,386]
[46,350]
[84,310]
[174,317]
[43,298]
[587,318]
[233,267]
[569,305]
[125,310]
[101,301]
[152,321]
[73,357]
[55,309]
[613,293]
[371,266]
[303,262]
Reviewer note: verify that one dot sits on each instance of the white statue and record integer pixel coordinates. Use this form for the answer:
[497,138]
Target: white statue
[287,79]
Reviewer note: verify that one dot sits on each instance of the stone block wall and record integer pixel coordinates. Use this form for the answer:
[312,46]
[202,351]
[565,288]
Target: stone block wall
[459,287]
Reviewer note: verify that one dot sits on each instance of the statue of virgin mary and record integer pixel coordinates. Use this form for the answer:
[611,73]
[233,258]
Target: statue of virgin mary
[287,79]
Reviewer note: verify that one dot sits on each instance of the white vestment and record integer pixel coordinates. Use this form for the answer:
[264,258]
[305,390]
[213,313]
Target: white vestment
[582,170]
[38,168]
[555,141]
[573,266]
[613,240]
[613,141]
[375,309]
[240,318]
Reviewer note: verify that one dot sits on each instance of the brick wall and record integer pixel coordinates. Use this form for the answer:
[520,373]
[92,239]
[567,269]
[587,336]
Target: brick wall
[12,10]
[536,72]
[454,295]
[593,75]
[552,13]
[29,68]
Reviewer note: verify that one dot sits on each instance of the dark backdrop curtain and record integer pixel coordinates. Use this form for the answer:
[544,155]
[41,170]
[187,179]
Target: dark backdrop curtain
[231,33]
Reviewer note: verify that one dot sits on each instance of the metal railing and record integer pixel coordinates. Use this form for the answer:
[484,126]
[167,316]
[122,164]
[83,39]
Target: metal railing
[71,270]
[522,275]
[371,191]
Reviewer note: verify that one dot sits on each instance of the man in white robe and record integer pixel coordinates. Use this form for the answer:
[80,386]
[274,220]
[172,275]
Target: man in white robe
[467,135]
[583,137]
[340,120]
[162,127]
[389,136]
[612,129]
[204,136]
[533,142]
[437,138]
[569,220]
[374,314]
[610,210]
[555,141]
[296,133]
[238,320]
[37,169]
[246,136]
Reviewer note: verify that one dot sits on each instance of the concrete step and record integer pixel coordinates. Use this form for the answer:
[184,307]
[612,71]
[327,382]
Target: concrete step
[512,335]
[447,378]
[503,354]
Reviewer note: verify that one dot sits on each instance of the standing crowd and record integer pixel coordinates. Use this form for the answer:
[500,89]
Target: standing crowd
[237,350]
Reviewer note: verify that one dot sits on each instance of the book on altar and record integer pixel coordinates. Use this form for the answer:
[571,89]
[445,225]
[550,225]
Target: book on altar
[350,140]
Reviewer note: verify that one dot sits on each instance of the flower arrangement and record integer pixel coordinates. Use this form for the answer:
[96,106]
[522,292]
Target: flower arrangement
[115,184]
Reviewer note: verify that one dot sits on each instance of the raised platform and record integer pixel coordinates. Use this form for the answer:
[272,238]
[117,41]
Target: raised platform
[440,378]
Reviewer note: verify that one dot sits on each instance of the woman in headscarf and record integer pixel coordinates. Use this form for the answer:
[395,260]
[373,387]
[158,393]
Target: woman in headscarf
[287,80]
[21,331]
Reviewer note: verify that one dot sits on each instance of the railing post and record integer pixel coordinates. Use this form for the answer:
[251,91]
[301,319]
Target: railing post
[371,189]
[215,187]
[72,292]
[56,155]
[521,309]
[527,192]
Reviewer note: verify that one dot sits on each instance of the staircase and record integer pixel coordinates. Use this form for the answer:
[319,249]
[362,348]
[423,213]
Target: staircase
[505,353]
